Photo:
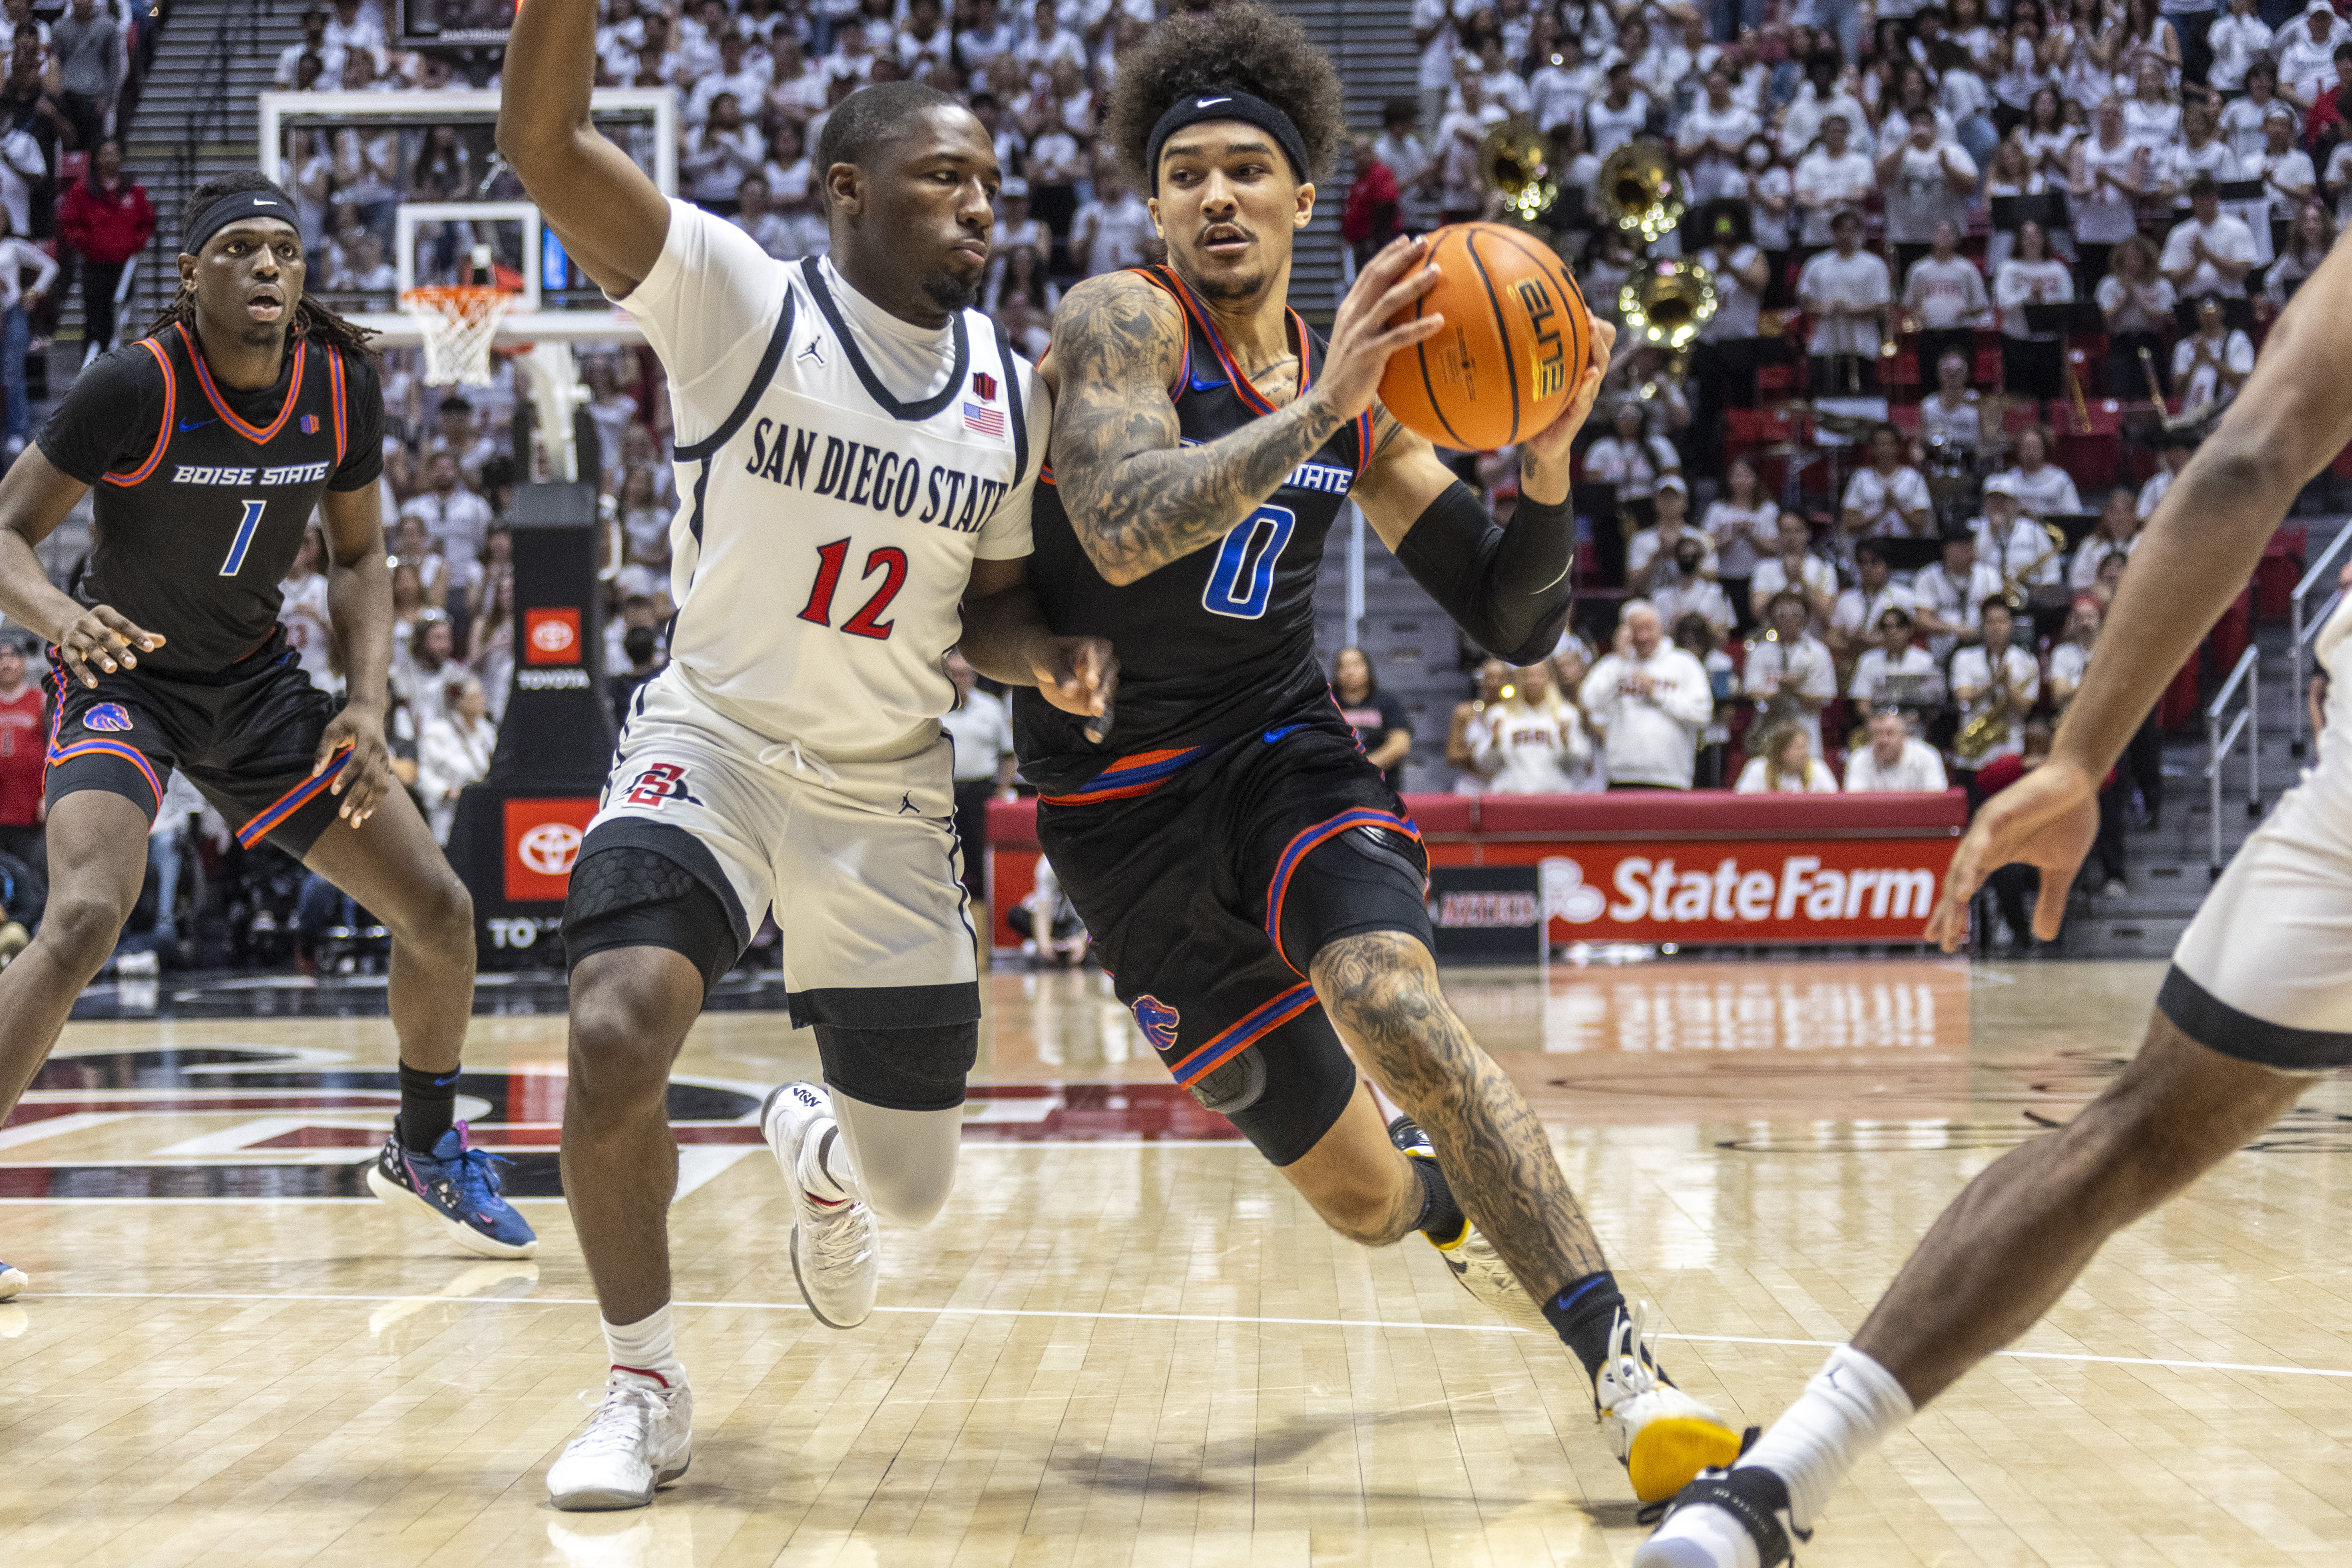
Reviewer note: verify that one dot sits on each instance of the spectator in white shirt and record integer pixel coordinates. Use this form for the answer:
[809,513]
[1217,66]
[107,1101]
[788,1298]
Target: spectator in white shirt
[1944,295]
[2237,42]
[2211,252]
[1113,231]
[1847,292]
[2117,535]
[2284,169]
[314,42]
[1947,594]
[2042,489]
[1626,458]
[1711,136]
[2010,542]
[769,229]
[2030,359]
[1693,592]
[2137,304]
[1926,180]
[720,154]
[2242,119]
[2211,364]
[1650,699]
[1860,607]
[737,73]
[1563,87]
[1461,177]
[1790,671]
[1534,741]
[2305,49]
[453,750]
[1831,179]
[2200,152]
[1619,115]
[1744,524]
[1787,765]
[454,519]
[1893,658]
[1982,675]
[1650,555]
[1889,497]
[1894,763]
[1951,417]
[1793,565]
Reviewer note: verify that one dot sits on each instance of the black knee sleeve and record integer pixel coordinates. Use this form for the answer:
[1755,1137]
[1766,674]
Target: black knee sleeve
[900,1069]
[625,895]
[1365,879]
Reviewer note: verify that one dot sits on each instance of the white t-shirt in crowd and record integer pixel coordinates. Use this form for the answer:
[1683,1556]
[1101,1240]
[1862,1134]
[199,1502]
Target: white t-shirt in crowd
[1885,499]
[980,728]
[2194,383]
[1806,669]
[1919,771]
[1874,668]
[1737,533]
[1971,667]
[1536,751]
[1957,604]
[2021,555]
[1858,282]
[1818,779]
[1770,577]
[2084,572]
[2020,283]
[1858,608]
[2046,492]
[2226,237]
[1943,294]
[1649,737]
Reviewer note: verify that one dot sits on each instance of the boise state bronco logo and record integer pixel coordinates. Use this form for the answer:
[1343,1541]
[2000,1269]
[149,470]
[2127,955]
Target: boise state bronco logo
[1158,1020]
[107,716]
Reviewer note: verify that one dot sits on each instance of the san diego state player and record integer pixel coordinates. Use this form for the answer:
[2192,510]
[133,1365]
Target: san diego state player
[1247,875]
[206,447]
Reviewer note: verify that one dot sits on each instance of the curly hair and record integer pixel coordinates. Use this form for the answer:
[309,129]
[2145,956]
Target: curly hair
[309,319]
[1244,45]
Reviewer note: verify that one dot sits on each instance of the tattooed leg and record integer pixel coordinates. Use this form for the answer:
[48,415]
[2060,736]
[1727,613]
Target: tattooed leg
[1380,990]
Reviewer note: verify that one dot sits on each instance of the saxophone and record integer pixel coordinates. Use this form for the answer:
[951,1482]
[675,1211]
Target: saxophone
[1987,729]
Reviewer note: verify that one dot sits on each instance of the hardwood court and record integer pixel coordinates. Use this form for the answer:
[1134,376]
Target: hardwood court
[1124,1341]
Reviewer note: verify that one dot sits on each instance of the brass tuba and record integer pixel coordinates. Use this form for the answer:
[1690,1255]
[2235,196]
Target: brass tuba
[1987,729]
[1511,163]
[1665,304]
[1639,190]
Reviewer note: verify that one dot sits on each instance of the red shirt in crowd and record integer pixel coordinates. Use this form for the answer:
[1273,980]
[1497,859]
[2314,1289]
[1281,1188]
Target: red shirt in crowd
[23,746]
[1371,209]
[107,226]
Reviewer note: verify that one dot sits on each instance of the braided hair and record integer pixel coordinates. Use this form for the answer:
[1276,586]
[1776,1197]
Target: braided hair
[309,319]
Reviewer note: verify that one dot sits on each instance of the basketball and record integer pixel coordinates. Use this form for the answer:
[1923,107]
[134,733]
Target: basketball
[1516,342]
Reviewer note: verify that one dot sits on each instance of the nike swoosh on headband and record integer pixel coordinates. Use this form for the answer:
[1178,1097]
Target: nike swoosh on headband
[1205,102]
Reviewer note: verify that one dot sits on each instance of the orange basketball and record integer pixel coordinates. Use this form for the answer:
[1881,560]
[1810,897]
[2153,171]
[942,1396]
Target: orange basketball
[1515,342]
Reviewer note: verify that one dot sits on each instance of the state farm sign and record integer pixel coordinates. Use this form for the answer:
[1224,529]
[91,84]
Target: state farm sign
[1810,890]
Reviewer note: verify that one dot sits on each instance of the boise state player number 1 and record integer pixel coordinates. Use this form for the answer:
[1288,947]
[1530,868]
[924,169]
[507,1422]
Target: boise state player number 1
[1241,584]
[246,529]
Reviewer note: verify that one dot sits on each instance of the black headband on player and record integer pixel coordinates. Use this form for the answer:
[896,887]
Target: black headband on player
[236,207]
[1226,103]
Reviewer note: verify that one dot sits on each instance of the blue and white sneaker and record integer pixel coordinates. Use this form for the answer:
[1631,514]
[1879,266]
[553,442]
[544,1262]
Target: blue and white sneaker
[12,1282]
[457,1184]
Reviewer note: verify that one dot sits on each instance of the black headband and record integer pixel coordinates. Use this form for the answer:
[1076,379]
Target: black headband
[1225,104]
[232,208]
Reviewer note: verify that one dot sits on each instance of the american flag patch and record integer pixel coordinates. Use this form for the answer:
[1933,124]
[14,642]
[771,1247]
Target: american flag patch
[986,421]
[310,425]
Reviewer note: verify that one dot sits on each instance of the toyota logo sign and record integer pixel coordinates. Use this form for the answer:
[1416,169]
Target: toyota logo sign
[549,849]
[552,636]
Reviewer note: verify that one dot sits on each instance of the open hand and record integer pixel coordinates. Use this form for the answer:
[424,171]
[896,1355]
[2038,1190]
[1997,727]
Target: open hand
[104,636]
[1549,445]
[1362,340]
[2046,820]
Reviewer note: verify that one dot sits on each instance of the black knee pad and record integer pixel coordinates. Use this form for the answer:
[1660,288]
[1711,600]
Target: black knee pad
[900,1069]
[625,895]
[1365,879]
[1305,1080]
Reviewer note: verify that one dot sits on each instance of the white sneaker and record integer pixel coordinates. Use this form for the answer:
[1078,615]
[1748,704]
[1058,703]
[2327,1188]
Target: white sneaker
[12,1282]
[835,1255]
[1663,1435]
[640,1438]
[1480,1270]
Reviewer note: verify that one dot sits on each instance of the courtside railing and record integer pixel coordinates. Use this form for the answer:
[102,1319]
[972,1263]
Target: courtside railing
[2220,743]
[2322,573]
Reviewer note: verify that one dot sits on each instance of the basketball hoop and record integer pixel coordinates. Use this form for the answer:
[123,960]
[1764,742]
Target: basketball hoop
[459,321]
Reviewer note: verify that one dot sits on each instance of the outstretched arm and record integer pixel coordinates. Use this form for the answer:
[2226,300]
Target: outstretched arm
[611,218]
[1005,637]
[2199,549]
[1137,500]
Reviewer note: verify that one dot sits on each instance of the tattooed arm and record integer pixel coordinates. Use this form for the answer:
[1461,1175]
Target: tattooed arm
[1136,499]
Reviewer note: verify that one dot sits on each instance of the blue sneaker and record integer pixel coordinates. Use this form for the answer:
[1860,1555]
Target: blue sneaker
[457,1184]
[12,1281]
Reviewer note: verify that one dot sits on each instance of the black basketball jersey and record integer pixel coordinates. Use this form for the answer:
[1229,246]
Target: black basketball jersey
[201,492]
[1212,646]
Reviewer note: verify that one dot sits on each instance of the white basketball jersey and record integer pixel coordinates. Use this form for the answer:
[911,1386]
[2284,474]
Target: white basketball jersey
[828,528]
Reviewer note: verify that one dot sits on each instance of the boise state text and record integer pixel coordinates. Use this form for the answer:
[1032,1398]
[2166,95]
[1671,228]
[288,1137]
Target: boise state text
[286,474]
[867,475]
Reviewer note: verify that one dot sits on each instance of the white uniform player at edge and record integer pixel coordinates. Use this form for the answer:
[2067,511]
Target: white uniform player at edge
[2258,1001]
[857,452]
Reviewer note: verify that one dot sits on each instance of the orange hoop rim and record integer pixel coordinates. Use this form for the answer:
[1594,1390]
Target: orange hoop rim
[455,300]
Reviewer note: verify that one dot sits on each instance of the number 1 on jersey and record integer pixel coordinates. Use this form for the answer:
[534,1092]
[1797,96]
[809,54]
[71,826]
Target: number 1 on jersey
[889,560]
[246,529]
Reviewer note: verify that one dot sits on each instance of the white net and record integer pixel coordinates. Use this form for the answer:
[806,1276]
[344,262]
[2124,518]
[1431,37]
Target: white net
[460,324]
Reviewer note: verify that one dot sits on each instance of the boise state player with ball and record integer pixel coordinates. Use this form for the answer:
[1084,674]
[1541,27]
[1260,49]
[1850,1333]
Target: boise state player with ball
[205,448]
[1247,875]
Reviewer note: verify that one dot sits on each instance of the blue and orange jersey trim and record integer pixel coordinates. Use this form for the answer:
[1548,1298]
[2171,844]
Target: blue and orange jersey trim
[1198,1064]
[1249,394]
[94,748]
[250,431]
[1297,849]
[275,814]
[335,396]
[170,412]
[1130,776]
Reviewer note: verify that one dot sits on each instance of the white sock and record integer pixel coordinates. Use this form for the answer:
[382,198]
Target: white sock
[1850,1406]
[648,1345]
[825,1171]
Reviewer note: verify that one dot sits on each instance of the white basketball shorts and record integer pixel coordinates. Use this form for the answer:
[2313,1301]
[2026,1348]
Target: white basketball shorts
[860,860]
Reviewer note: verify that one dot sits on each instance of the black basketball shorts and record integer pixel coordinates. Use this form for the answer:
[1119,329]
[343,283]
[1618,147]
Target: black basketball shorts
[246,739]
[1209,894]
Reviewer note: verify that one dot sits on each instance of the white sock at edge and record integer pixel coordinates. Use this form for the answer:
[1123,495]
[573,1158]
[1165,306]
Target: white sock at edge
[647,1345]
[1850,1406]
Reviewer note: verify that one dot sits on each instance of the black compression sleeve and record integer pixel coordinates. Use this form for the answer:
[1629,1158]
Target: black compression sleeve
[1511,588]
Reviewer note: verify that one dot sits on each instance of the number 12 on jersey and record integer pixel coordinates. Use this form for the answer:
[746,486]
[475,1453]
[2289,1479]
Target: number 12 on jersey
[246,529]
[1242,582]
[889,560]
